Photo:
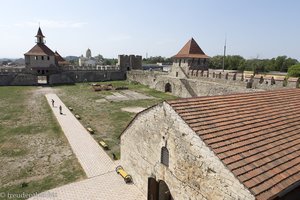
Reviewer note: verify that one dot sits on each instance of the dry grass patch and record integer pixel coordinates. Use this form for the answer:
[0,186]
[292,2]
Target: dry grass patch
[34,154]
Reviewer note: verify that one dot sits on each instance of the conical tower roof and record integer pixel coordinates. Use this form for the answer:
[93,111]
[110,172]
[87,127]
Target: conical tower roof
[39,33]
[191,50]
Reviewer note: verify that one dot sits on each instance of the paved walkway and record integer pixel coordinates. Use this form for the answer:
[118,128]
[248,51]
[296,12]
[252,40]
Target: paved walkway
[103,182]
[91,156]
[109,186]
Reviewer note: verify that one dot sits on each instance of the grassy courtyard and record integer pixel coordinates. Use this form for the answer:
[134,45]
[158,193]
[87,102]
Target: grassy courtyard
[107,118]
[34,153]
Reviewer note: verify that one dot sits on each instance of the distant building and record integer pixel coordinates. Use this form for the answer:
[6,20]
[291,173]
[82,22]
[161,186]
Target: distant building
[41,60]
[190,57]
[88,60]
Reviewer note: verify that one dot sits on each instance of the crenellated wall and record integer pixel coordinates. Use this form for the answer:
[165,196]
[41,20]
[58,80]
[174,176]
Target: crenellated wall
[205,83]
[259,81]
[183,87]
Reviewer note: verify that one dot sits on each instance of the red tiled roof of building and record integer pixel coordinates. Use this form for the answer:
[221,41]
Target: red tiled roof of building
[40,50]
[191,50]
[256,135]
[58,57]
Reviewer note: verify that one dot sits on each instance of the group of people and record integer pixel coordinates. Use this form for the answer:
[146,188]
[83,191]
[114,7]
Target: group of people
[60,108]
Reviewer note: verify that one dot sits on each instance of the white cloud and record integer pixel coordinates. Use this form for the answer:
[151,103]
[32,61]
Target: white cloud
[51,24]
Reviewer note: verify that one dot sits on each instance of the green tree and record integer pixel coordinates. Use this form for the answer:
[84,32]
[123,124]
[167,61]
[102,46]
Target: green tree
[216,62]
[234,62]
[157,59]
[294,70]
[99,58]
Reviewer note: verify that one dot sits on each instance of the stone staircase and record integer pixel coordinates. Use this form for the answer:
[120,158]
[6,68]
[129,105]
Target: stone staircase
[188,87]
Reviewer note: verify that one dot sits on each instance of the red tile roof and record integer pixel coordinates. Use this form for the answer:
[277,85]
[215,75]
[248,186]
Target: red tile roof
[256,135]
[40,50]
[58,57]
[191,50]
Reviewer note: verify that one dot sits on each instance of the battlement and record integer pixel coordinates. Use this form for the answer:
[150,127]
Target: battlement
[259,81]
[91,68]
[4,70]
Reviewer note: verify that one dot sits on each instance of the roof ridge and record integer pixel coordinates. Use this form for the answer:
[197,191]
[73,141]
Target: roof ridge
[174,101]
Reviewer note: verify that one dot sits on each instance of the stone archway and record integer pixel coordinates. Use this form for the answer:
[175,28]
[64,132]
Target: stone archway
[158,190]
[164,191]
[168,88]
[152,189]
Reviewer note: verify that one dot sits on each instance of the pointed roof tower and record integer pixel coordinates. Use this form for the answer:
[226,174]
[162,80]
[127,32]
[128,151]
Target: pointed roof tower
[40,49]
[40,36]
[191,50]
[39,33]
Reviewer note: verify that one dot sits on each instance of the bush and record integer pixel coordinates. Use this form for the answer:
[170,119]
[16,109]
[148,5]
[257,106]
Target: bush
[294,70]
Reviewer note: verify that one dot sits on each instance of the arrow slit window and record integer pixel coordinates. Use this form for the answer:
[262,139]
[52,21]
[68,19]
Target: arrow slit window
[165,156]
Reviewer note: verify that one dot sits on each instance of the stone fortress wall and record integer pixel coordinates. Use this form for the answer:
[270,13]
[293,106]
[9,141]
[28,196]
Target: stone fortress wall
[258,81]
[211,82]
[72,74]
[65,76]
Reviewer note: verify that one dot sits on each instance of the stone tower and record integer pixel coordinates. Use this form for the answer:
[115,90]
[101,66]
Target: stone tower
[190,57]
[88,53]
[41,60]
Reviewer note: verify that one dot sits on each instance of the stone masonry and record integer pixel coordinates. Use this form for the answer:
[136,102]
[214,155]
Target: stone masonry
[184,87]
[194,171]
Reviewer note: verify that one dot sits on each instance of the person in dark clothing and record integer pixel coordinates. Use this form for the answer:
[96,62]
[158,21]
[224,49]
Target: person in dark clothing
[52,101]
[60,110]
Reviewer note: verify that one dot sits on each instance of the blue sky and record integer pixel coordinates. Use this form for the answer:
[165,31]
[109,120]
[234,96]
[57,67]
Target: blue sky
[254,28]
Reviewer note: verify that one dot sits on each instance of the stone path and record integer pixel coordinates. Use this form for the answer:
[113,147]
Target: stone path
[109,186]
[133,109]
[103,182]
[91,156]
[127,95]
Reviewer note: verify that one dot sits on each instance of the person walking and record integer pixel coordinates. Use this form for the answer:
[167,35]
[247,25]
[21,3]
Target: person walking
[60,110]
[52,101]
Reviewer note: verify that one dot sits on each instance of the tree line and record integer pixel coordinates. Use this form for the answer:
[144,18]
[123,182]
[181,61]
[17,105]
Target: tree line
[237,62]
[157,59]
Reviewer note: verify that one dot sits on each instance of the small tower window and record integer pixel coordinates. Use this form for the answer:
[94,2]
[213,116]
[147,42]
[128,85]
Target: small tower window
[48,57]
[42,57]
[36,57]
[164,156]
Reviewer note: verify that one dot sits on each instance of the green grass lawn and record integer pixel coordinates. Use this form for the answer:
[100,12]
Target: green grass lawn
[107,118]
[34,153]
